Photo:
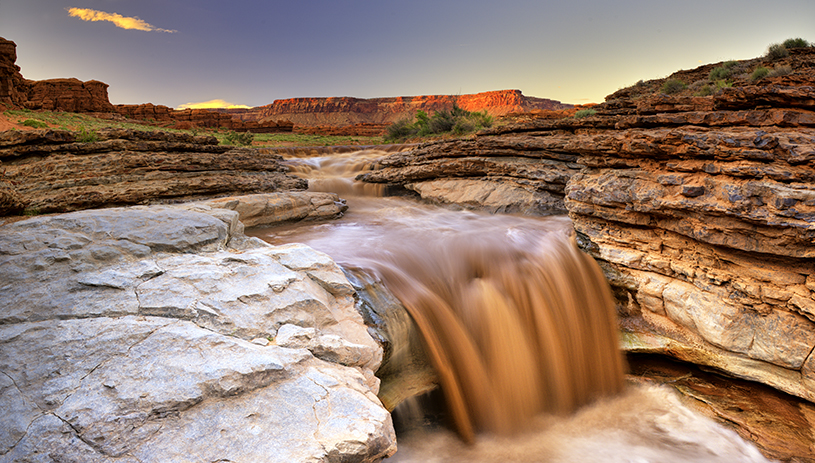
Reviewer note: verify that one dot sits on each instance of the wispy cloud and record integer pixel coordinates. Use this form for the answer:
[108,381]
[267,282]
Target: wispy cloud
[125,22]
[213,104]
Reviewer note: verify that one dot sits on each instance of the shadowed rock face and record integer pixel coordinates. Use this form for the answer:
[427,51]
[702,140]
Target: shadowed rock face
[701,211]
[50,171]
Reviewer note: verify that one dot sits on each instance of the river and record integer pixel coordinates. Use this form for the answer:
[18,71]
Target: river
[519,325]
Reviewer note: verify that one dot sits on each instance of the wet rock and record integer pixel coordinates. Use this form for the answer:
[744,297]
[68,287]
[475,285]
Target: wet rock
[130,334]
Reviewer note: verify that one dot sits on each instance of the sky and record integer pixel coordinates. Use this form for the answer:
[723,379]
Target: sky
[249,53]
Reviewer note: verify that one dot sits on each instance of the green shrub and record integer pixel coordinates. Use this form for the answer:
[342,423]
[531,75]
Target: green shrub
[780,71]
[720,84]
[672,86]
[581,113]
[759,73]
[776,51]
[722,72]
[35,123]
[706,90]
[87,136]
[401,130]
[456,120]
[797,42]
[238,138]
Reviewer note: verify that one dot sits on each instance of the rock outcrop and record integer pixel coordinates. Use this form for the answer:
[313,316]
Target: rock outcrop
[70,95]
[162,333]
[53,172]
[700,209]
[345,111]
[201,118]
[12,83]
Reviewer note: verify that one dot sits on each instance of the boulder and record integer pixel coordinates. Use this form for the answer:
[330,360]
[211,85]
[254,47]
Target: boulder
[164,334]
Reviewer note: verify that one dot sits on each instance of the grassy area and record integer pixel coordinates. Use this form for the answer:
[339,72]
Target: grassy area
[71,121]
[86,124]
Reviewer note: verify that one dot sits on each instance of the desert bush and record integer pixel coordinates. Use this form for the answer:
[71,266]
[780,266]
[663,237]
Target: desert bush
[401,130]
[722,72]
[87,136]
[776,51]
[456,120]
[672,86]
[759,73]
[780,71]
[705,90]
[238,138]
[797,42]
[581,113]
[35,123]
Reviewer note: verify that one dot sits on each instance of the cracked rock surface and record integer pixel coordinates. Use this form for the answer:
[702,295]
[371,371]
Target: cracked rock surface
[150,334]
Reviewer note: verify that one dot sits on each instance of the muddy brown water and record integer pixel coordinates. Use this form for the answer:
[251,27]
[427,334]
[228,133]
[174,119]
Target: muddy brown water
[519,325]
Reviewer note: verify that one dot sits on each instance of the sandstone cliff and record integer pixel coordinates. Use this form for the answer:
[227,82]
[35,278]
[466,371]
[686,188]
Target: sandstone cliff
[343,111]
[700,209]
[70,95]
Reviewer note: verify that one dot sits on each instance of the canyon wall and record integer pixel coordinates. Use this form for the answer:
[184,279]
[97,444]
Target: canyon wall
[342,111]
[201,118]
[700,209]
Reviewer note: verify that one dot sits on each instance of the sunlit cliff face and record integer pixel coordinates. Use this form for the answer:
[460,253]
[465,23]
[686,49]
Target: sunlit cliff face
[213,104]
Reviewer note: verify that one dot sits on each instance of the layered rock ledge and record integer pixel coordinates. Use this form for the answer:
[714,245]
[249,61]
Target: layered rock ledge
[52,171]
[164,334]
[700,209]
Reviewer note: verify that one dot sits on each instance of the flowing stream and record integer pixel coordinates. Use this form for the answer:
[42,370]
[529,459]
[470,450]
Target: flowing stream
[518,325]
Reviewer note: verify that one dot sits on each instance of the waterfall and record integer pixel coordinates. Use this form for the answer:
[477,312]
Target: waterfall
[516,325]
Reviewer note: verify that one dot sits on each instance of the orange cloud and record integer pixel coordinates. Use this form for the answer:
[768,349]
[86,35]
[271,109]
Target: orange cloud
[124,22]
[213,104]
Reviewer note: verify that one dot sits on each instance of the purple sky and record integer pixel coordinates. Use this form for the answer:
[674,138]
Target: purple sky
[254,52]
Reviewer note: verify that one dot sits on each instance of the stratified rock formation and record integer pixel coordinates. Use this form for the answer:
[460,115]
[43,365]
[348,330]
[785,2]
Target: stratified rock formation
[345,111]
[202,118]
[70,95]
[50,171]
[11,81]
[700,209]
[155,334]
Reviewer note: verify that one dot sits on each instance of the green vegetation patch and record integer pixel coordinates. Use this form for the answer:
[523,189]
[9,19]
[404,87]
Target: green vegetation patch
[580,114]
[759,73]
[238,138]
[35,123]
[776,51]
[86,135]
[722,72]
[797,42]
[455,121]
[672,86]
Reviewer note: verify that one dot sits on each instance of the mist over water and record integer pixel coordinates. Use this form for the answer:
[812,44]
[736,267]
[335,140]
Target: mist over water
[520,327]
